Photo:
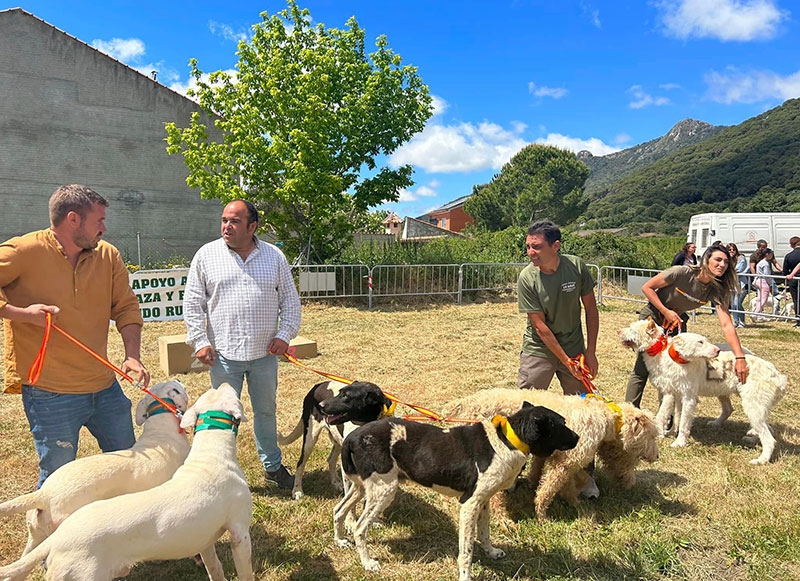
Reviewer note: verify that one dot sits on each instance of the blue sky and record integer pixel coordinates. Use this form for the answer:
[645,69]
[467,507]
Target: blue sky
[579,74]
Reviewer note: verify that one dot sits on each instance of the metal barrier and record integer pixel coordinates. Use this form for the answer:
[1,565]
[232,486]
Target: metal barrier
[478,276]
[385,280]
[414,279]
[623,283]
[323,281]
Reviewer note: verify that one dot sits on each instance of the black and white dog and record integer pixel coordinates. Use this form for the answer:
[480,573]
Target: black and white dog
[472,462]
[340,408]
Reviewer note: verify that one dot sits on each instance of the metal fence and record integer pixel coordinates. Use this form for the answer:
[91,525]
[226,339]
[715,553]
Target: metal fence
[397,280]
[359,281]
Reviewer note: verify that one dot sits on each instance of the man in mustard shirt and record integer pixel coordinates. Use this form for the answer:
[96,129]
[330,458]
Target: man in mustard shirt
[68,271]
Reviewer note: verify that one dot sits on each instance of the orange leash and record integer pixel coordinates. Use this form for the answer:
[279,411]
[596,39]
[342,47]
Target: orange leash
[425,413]
[586,380]
[35,372]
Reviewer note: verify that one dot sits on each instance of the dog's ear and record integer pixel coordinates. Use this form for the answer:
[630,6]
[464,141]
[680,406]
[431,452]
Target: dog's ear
[141,409]
[189,418]
[526,404]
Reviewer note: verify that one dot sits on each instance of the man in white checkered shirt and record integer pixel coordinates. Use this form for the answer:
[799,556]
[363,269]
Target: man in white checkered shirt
[241,309]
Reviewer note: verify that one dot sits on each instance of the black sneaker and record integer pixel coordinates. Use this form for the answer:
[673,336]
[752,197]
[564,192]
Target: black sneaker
[281,477]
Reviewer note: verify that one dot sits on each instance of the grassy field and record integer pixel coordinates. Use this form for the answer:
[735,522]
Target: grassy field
[701,512]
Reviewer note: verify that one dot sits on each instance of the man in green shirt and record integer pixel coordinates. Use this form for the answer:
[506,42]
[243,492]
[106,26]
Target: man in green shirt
[551,290]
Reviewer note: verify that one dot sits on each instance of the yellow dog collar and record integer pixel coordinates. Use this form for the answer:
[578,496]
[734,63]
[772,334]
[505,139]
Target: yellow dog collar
[388,410]
[502,422]
[612,406]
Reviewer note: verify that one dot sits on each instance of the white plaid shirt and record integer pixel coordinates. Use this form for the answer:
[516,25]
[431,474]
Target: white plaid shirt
[239,306]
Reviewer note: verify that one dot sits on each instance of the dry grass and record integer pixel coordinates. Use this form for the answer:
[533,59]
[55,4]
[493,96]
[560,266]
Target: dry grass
[699,513]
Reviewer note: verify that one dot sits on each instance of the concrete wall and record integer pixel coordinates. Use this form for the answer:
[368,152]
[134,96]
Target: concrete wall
[71,114]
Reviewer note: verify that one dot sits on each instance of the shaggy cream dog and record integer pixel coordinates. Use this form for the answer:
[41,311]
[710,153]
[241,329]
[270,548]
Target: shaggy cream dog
[152,460]
[620,435]
[690,366]
[186,515]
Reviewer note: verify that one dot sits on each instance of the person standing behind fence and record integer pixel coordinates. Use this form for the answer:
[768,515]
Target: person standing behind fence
[550,292]
[241,310]
[686,255]
[742,268]
[679,289]
[69,272]
[791,265]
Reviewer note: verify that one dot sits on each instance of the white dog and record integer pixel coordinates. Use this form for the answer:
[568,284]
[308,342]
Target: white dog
[152,460]
[620,434]
[207,496]
[690,366]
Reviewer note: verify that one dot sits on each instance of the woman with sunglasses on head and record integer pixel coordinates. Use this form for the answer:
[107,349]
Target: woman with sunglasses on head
[679,289]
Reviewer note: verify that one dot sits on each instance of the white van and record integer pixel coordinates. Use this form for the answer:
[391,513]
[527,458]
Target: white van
[745,230]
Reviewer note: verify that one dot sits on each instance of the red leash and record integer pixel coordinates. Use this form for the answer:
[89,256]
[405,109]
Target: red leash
[35,371]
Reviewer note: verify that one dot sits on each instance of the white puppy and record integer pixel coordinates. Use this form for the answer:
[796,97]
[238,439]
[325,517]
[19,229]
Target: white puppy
[690,366]
[152,460]
[207,496]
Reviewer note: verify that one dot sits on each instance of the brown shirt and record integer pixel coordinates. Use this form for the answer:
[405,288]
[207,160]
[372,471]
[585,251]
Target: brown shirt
[34,269]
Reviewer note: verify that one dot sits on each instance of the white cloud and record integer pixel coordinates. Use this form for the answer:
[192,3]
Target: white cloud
[575,144]
[122,49]
[468,147]
[439,105]
[226,31]
[737,20]
[592,13]
[182,87]
[737,86]
[554,92]
[622,139]
[642,99]
[426,191]
[460,148]
[669,86]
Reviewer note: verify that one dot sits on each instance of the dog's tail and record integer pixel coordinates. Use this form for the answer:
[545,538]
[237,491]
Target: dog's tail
[296,433]
[19,570]
[21,503]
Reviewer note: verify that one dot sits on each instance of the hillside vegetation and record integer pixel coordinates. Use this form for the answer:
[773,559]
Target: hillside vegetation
[607,169]
[750,167]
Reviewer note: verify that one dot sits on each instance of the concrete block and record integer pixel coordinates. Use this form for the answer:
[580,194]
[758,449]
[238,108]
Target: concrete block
[175,356]
[304,348]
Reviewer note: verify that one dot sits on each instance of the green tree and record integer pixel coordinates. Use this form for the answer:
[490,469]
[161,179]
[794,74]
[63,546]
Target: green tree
[302,126]
[539,182]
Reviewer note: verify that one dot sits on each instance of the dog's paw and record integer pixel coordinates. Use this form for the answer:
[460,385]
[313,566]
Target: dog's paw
[372,566]
[342,543]
[679,443]
[494,552]
[297,494]
[760,461]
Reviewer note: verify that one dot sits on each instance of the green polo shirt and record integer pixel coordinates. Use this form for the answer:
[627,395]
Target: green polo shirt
[558,296]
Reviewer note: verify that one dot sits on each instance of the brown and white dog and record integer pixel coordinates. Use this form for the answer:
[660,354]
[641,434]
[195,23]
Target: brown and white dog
[152,460]
[690,366]
[620,434]
[186,515]
[338,408]
[472,462]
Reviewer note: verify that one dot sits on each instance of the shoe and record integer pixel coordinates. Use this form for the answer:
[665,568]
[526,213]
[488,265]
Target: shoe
[670,423]
[590,490]
[797,324]
[281,477]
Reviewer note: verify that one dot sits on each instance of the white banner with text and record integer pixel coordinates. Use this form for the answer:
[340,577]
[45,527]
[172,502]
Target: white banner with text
[160,293]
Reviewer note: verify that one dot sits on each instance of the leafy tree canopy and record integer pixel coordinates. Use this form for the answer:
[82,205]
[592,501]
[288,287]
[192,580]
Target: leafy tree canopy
[539,182]
[302,125]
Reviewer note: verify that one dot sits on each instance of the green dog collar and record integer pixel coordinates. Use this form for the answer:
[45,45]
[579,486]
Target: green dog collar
[157,407]
[216,420]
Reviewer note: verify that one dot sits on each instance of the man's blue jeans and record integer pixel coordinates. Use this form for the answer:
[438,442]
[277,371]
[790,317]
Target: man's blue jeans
[56,420]
[262,385]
